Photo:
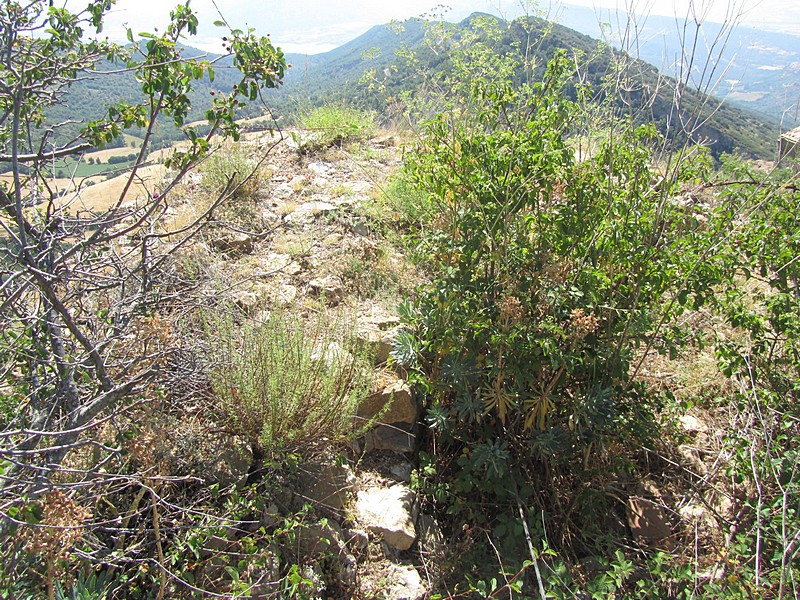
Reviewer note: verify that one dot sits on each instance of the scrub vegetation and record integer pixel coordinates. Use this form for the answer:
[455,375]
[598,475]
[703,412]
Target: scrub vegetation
[597,311]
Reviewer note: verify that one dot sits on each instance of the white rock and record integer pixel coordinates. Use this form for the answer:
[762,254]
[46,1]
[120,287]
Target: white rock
[692,424]
[306,213]
[388,512]
[330,288]
[405,583]
[283,192]
[285,294]
[319,168]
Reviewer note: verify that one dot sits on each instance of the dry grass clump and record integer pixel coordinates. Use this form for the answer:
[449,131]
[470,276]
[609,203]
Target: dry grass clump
[286,385]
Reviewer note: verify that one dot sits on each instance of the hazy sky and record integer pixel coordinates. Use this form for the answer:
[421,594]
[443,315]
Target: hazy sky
[313,26]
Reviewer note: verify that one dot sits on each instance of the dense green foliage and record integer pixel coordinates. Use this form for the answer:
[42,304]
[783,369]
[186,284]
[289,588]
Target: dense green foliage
[555,271]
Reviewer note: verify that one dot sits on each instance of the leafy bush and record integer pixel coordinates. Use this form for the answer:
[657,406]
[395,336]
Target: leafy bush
[231,170]
[551,277]
[288,386]
[761,356]
[334,124]
[412,207]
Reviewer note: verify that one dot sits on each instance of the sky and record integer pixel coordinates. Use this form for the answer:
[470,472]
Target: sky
[312,26]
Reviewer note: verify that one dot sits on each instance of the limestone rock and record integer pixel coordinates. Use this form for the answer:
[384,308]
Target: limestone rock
[283,192]
[379,342]
[306,213]
[405,583]
[233,243]
[284,295]
[393,403]
[692,424]
[361,187]
[388,512]
[327,484]
[355,539]
[319,168]
[648,521]
[377,331]
[329,288]
[293,268]
[247,300]
[312,539]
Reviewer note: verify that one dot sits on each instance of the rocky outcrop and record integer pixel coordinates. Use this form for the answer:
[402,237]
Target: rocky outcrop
[326,484]
[393,409]
[377,331]
[405,583]
[233,243]
[388,513]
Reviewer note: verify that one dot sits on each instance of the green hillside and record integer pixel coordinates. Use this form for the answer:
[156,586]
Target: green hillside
[376,68]
[112,82]
[341,73]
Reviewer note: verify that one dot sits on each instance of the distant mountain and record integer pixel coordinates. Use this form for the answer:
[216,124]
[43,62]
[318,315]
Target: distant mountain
[757,68]
[111,83]
[337,74]
[315,77]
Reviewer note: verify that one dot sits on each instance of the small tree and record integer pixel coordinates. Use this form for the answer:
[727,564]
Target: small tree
[79,288]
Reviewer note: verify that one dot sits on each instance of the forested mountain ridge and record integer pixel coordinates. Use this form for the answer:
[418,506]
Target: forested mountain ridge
[112,82]
[754,68]
[340,74]
[725,126]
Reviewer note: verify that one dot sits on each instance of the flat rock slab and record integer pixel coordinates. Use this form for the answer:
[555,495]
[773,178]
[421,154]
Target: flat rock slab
[326,484]
[648,521]
[388,512]
[393,403]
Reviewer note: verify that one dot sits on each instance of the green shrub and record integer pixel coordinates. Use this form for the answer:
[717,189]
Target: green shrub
[288,386]
[232,170]
[413,208]
[334,124]
[549,275]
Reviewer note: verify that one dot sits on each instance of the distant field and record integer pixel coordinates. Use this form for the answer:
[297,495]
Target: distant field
[746,96]
[106,181]
[103,195]
[97,162]
[103,155]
